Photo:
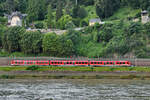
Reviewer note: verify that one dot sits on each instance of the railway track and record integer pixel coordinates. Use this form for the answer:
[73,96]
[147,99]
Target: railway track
[6,61]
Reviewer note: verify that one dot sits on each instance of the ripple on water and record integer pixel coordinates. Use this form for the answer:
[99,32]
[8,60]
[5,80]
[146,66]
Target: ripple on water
[74,90]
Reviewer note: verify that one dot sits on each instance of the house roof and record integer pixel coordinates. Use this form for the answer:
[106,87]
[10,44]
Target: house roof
[15,14]
[95,20]
[144,12]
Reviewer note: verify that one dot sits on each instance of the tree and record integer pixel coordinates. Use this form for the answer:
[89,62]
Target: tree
[59,12]
[79,12]
[31,42]
[106,8]
[67,46]
[106,33]
[82,13]
[36,10]
[63,21]
[49,17]
[51,45]
[11,39]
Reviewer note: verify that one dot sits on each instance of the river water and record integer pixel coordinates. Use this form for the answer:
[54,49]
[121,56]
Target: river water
[74,90]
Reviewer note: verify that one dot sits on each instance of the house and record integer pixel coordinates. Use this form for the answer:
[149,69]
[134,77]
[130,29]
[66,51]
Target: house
[94,21]
[145,17]
[15,19]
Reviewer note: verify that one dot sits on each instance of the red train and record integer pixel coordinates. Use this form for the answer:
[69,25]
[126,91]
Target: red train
[69,63]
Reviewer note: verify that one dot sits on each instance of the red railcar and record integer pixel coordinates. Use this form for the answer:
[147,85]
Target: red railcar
[81,63]
[70,63]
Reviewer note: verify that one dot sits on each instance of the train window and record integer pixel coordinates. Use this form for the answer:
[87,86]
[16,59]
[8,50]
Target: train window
[118,63]
[86,62]
[95,62]
[99,62]
[111,63]
[92,62]
[124,63]
[80,63]
[108,63]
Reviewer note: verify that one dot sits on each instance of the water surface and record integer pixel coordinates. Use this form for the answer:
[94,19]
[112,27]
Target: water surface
[74,90]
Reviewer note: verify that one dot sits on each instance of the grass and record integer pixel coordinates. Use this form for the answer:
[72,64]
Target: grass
[124,13]
[79,69]
[63,70]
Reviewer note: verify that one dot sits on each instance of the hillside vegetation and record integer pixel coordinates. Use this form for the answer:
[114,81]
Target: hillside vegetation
[119,36]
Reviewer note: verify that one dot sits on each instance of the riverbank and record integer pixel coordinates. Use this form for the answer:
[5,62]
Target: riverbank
[46,72]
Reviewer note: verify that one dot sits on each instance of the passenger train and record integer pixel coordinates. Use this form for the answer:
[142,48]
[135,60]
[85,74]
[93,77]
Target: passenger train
[69,63]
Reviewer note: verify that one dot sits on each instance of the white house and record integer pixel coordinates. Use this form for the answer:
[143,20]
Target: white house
[15,19]
[95,20]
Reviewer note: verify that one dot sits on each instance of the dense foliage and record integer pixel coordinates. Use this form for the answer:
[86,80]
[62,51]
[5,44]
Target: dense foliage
[119,36]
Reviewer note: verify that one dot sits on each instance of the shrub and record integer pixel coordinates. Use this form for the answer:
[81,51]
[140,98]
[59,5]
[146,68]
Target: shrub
[32,68]
[39,25]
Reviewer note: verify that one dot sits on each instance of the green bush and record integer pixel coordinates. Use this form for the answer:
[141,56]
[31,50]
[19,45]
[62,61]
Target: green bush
[39,25]
[32,68]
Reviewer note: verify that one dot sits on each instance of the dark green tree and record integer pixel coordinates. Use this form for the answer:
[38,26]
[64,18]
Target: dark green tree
[59,12]
[36,10]
[11,39]
[51,45]
[106,8]
[31,42]
[49,17]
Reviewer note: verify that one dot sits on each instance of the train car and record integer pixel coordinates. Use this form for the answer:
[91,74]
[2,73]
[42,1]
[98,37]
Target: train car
[17,62]
[43,62]
[56,63]
[122,63]
[81,63]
